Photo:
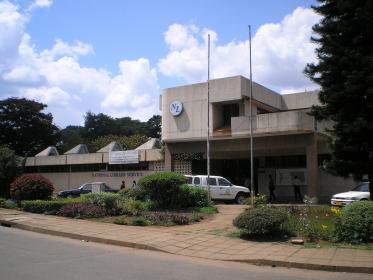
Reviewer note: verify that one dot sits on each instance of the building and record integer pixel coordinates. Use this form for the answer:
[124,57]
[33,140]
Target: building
[109,164]
[288,142]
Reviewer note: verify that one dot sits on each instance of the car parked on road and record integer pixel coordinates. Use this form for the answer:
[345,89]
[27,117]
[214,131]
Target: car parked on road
[360,192]
[220,188]
[87,188]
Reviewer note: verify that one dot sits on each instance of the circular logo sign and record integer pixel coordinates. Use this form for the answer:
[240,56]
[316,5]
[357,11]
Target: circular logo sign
[176,108]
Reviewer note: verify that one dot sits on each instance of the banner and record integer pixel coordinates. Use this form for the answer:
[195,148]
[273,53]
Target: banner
[124,157]
[285,177]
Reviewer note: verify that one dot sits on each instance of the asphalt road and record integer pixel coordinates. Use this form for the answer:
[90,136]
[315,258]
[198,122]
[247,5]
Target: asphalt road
[31,256]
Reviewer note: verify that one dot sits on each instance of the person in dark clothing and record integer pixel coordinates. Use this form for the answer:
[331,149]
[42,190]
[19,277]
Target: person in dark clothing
[296,185]
[271,187]
[123,185]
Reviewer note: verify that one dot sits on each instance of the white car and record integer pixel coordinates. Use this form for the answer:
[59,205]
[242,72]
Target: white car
[361,192]
[220,188]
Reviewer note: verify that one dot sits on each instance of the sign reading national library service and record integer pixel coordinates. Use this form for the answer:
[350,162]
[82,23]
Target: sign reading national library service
[124,157]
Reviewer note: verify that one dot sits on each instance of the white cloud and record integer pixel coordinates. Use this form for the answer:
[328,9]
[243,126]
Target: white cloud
[55,76]
[280,52]
[40,4]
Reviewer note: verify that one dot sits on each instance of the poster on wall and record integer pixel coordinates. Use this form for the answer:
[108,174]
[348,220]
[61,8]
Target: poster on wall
[124,157]
[285,177]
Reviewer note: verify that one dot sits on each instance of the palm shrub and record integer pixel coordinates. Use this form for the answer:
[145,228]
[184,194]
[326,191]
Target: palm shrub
[31,187]
[355,224]
[261,222]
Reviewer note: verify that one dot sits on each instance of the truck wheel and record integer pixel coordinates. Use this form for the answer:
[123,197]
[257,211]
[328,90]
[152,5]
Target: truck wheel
[241,199]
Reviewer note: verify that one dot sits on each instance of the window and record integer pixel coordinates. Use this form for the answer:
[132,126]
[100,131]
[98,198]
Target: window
[87,187]
[104,187]
[212,181]
[364,187]
[189,180]
[197,181]
[223,182]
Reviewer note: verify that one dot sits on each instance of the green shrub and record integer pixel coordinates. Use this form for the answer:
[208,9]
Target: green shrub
[81,210]
[259,199]
[31,187]
[8,203]
[261,222]
[356,223]
[163,188]
[134,207]
[42,206]
[109,201]
[137,193]
[190,196]
[2,200]
[139,221]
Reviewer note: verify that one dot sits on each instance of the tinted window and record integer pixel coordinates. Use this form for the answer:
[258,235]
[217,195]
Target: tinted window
[197,181]
[212,181]
[87,187]
[364,187]
[189,180]
[223,182]
[105,187]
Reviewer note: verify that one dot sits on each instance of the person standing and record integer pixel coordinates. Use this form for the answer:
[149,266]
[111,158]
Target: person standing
[134,185]
[296,186]
[271,187]
[123,185]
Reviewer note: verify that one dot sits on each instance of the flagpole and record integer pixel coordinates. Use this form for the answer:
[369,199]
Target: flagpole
[208,119]
[252,192]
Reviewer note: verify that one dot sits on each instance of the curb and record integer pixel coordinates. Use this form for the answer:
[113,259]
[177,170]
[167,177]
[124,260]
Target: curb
[80,236]
[259,262]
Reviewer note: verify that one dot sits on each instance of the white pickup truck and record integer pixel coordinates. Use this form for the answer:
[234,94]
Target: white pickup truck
[220,188]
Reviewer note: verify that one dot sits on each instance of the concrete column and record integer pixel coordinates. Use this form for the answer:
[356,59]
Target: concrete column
[168,162]
[312,166]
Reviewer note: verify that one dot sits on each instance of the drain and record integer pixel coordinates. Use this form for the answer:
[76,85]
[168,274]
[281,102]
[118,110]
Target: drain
[5,225]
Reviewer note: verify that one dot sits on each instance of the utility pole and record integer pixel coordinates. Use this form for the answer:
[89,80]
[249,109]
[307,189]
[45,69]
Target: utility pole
[252,192]
[208,119]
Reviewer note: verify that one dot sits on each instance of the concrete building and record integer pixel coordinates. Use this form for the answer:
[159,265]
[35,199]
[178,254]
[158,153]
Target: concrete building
[77,166]
[288,141]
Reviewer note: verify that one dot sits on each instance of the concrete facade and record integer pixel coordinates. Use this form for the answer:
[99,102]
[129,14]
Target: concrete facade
[283,130]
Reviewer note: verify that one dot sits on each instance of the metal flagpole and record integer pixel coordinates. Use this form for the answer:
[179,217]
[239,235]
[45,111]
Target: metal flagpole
[252,192]
[208,119]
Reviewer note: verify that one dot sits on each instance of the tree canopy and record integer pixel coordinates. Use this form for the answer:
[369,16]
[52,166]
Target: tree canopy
[345,73]
[9,169]
[24,127]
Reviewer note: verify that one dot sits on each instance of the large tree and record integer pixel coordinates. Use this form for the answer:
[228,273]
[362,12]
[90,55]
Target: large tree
[9,169]
[153,126]
[25,128]
[345,73]
[70,137]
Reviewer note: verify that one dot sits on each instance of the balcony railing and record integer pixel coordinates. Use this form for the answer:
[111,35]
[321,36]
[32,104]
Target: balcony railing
[291,121]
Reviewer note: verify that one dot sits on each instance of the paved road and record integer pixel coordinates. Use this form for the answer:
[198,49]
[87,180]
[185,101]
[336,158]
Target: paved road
[31,256]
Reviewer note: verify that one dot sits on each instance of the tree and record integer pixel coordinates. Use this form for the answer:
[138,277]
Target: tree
[98,125]
[153,126]
[345,73]
[25,128]
[70,137]
[9,169]
[127,142]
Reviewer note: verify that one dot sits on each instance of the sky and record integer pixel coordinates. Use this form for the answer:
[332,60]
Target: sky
[116,56]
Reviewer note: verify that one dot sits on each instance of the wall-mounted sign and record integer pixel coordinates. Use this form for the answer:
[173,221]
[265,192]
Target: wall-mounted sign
[124,157]
[176,108]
